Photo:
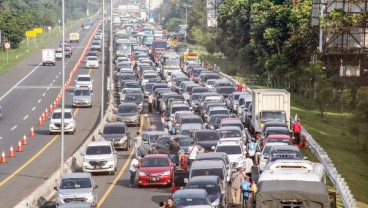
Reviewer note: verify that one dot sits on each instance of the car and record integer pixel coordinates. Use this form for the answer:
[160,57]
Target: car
[76,187]
[178,107]
[233,122]
[151,137]
[273,124]
[124,92]
[276,130]
[233,132]
[188,128]
[235,149]
[134,98]
[209,104]
[285,152]
[265,154]
[279,138]
[187,119]
[194,101]
[190,197]
[69,121]
[59,53]
[77,205]
[84,80]
[206,138]
[118,133]
[91,54]
[82,96]
[129,113]
[209,167]
[68,52]
[100,156]
[163,143]
[214,186]
[96,45]
[217,110]
[233,100]
[92,62]
[213,122]
[156,169]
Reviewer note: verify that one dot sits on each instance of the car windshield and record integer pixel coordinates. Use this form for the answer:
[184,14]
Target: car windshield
[240,125]
[153,138]
[184,141]
[230,150]
[149,76]
[210,188]
[181,108]
[155,162]
[216,119]
[75,183]
[230,133]
[84,79]
[226,90]
[196,97]
[82,92]
[128,109]
[207,136]
[134,98]
[266,150]
[196,72]
[211,171]
[98,150]
[216,112]
[95,43]
[131,85]
[114,130]
[192,120]
[200,89]
[58,115]
[286,141]
[273,116]
[149,86]
[183,202]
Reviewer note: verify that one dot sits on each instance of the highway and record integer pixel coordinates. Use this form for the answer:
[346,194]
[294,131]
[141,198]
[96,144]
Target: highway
[26,91]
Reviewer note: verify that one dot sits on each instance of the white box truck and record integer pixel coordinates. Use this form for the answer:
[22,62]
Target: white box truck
[269,105]
[48,57]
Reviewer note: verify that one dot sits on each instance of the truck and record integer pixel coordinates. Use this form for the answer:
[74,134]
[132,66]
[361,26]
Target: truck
[48,57]
[269,105]
[74,38]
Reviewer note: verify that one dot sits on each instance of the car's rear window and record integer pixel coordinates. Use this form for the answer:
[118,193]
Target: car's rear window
[114,130]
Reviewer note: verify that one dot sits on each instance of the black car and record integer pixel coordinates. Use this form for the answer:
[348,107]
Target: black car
[213,122]
[117,133]
[214,187]
[206,138]
[163,143]
[191,197]
[225,91]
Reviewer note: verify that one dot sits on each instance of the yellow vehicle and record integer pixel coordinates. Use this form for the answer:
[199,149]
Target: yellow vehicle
[74,37]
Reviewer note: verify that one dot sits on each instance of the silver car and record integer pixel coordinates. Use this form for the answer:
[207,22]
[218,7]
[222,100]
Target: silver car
[76,187]
[82,96]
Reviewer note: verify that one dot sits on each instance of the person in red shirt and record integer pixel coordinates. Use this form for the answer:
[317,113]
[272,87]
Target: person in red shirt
[297,128]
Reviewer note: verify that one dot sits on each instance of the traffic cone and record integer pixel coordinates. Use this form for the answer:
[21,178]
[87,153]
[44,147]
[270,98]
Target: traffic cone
[32,132]
[55,104]
[40,121]
[3,158]
[24,142]
[11,153]
[19,148]
[43,117]
[46,112]
[51,108]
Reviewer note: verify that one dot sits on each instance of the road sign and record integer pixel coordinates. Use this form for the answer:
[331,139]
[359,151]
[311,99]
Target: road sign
[7,45]
[49,28]
[38,30]
[30,34]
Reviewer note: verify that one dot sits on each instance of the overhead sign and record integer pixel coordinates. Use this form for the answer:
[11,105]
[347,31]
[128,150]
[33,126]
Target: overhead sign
[7,45]
[38,30]
[31,34]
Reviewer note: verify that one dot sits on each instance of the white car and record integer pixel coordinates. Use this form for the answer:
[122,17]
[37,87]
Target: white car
[84,80]
[92,62]
[100,156]
[147,76]
[264,154]
[69,121]
[235,150]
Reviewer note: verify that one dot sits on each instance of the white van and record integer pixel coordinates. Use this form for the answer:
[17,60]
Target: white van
[100,156]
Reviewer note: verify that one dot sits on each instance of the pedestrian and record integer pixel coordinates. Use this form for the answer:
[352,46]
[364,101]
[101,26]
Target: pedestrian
[170,127]
[192,152]
[170,203]
[154,149]
[152,127]
[174,149]
[248,165]
[137,144]
[134,167]
[246,189]
[165,116]
[162,204]
[297,128]
[236,181]
[150,102]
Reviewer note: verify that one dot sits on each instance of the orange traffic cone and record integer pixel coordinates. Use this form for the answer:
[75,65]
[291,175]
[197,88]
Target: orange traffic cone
[51,108]
[3,158]
[11,153]
[19,148]
[43,117]
[32,132]
[24,142]
[46,112]
[40,121]
[55,104]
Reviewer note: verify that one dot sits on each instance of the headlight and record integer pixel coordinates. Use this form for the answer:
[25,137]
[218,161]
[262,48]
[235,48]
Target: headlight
[212,127]
[166,173]
[142,173]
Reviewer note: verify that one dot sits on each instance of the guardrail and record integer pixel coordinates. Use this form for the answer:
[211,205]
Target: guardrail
[336,179]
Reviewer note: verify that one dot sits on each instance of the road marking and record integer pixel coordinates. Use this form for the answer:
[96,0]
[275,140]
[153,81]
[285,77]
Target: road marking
[57,76]
[51,84]
[108,191]
[37,87]
[33,108]
[39,101]
[89,71]
[53,81]
[59,72]
[13,128]
[43,95]
[1,138]
[20,81]
[29,161]
[25,117]
[48,88]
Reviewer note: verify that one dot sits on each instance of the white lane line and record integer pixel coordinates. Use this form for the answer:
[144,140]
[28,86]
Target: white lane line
[1,138]
[13,128]
[20,81]
[33,108]
[53,81]
[57,76]
[25,117]
[51,84]
[48,88]
[39,101]
[59,72]
[43,95]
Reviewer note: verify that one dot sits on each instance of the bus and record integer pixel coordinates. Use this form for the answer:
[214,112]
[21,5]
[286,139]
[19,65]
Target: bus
[123,47]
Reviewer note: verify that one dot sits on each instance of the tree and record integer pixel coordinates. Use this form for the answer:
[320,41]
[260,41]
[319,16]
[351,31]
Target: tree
[345,98]
[361,113]
[324,95]
[173,24]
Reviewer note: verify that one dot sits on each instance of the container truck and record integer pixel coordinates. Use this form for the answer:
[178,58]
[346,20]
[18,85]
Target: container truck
[48,57]
[269,105]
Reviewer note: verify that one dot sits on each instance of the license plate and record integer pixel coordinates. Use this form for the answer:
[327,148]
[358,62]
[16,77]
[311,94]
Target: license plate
[154,179]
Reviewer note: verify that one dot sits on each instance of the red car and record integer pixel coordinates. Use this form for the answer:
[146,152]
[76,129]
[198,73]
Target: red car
[279,138]
[156,169]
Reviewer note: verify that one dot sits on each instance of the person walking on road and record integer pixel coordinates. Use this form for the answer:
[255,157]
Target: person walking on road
[150,102]
[248,165]
[246,189]
[174,150]
[236,180]
[137,144]
[297,128]
[134,167]
[154,149]
[192,151]
[170,203]
[152,127]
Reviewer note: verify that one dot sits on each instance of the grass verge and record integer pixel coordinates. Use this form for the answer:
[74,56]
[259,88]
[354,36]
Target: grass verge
[331,133]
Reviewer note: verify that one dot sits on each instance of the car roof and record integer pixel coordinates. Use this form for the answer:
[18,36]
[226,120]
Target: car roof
[77,175]
[192,193]
[128,104]
[230,120]
[279,136]
[229,128]
[115,124]
[286,147]
[66,110]
[155,132]
[211,155]
[275,144]
[156,156]
[218,108]
[99,143]
[180,105]
[84,75]
[205,164]
[204,179]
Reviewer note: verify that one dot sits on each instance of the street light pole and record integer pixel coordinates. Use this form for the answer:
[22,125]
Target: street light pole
[103,61]
[62,88]
[110,50]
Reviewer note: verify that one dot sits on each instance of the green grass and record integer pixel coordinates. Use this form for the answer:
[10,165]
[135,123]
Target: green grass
[19,54]
[332,133]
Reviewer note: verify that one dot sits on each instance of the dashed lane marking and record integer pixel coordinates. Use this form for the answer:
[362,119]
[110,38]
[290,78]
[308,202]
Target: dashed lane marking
[43,95]
[25,117]
[33,108]
[13,128]
[39,101]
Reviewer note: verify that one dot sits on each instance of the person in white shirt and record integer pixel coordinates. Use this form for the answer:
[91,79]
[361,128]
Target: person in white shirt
[248,165]
[150,101]
[134,167]
[137,144]
[192,151]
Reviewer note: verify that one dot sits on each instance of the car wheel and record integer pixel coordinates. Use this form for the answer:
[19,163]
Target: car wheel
[113,172]
[140,186]
[51,133]
[72,132]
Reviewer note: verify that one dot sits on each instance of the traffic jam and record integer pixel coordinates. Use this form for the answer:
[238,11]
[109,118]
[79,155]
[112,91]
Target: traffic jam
[218,143]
